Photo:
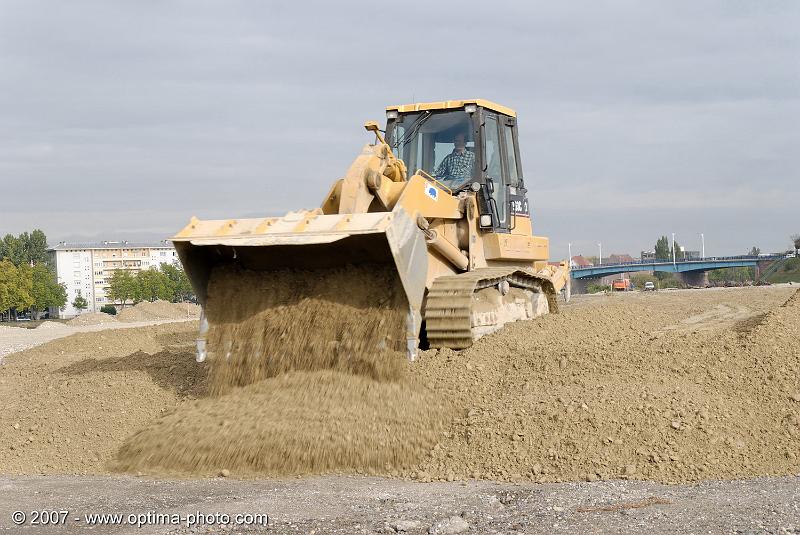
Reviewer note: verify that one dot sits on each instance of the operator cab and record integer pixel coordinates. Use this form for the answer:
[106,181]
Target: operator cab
[466,145]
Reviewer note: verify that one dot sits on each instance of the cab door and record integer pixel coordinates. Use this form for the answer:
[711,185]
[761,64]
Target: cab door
[512,172]
[495,190]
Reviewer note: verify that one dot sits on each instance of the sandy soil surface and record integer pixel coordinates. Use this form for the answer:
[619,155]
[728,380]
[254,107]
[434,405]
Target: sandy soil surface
[671,387]
[14,339]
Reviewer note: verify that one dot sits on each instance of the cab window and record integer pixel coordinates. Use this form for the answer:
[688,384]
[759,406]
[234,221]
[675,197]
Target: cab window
[494,170]
[510,157]
[440,143]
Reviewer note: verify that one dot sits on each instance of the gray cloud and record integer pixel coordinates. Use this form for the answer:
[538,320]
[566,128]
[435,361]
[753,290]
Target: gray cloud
[637,119]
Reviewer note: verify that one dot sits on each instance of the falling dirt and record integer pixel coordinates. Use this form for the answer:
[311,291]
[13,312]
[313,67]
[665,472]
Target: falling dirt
[311,380]
[263,324]
[602,390]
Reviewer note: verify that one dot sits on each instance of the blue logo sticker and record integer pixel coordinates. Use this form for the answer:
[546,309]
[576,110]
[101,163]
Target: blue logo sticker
[432,192]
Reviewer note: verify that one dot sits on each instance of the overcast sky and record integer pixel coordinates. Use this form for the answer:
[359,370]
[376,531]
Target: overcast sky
[637,119]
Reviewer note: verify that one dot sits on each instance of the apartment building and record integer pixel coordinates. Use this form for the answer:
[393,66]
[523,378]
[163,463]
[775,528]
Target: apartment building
[87,267]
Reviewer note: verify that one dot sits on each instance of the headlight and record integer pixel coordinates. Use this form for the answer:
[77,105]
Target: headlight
[471,108]
[391,114]
[486,220]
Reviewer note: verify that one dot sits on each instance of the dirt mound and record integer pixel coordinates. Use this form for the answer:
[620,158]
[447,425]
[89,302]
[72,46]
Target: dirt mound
[605,391]
[297,423]
[158,310]
[68,405]
[794,300]
[92,318]
[320,351]
[349,319]
[53,326]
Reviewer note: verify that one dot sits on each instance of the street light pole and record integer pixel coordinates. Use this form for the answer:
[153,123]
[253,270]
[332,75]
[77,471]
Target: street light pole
[600,245]
[569,249]
[673,248]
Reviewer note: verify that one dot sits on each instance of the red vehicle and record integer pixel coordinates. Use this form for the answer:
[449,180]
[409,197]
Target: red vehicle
[622,285]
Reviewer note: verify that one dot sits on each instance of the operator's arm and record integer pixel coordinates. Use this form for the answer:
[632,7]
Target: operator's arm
[443,171]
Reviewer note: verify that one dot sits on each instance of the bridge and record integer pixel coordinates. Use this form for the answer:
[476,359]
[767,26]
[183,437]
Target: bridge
[693,270]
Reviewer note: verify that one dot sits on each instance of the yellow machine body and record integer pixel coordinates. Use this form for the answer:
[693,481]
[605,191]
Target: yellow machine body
[465,270]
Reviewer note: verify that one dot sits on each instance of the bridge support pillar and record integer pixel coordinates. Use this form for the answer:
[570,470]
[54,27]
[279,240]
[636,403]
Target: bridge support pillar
[579,285]
[694,278]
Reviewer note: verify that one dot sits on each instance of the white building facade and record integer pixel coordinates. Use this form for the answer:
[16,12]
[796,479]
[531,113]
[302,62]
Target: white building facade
[85,268]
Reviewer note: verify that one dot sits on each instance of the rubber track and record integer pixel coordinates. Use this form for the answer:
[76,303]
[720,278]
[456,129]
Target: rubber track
[448,307]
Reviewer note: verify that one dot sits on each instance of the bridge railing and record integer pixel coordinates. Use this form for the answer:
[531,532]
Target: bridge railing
[683,261]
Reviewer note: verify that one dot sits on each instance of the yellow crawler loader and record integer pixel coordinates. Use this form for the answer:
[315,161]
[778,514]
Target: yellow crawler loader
[440,196]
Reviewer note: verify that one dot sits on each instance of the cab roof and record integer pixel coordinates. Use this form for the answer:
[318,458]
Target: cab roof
[451,104]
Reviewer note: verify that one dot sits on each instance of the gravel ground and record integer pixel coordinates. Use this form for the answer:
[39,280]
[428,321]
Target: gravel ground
[372,505]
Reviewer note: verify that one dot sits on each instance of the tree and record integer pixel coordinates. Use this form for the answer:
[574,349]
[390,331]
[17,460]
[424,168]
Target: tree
[755,251]
[153,284]
[11,249]
[26,248]
[46,290]
[34,247]
[662,249]
[122,287]
[15,288]
[80,302]
[181,287]
[738,275]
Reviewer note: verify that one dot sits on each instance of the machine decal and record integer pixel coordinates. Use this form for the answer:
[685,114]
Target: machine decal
[519,205]
[432,192]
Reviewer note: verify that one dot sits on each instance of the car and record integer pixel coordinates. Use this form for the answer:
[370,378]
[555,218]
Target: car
[649,286]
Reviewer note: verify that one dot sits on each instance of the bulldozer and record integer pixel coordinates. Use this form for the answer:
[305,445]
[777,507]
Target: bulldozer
[439,196]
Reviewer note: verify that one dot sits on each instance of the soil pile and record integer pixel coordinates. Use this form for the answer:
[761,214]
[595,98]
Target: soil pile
[52,326]
[263,324]
[92,318]
[296,423]
[307,378]
[610,390]
[158,310]
[672,386]
[69,405]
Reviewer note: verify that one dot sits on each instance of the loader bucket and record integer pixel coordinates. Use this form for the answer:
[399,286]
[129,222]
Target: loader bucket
[307,241]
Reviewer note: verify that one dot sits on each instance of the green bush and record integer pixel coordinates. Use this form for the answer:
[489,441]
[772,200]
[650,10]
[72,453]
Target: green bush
[109,309]
[596,288]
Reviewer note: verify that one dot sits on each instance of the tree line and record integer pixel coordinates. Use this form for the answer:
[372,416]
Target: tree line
[27,279]
[169,283]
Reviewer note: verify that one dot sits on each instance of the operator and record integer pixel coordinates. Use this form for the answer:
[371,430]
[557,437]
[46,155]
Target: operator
[456,168]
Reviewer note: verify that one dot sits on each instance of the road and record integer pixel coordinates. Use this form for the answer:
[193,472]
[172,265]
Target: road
[353,504]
